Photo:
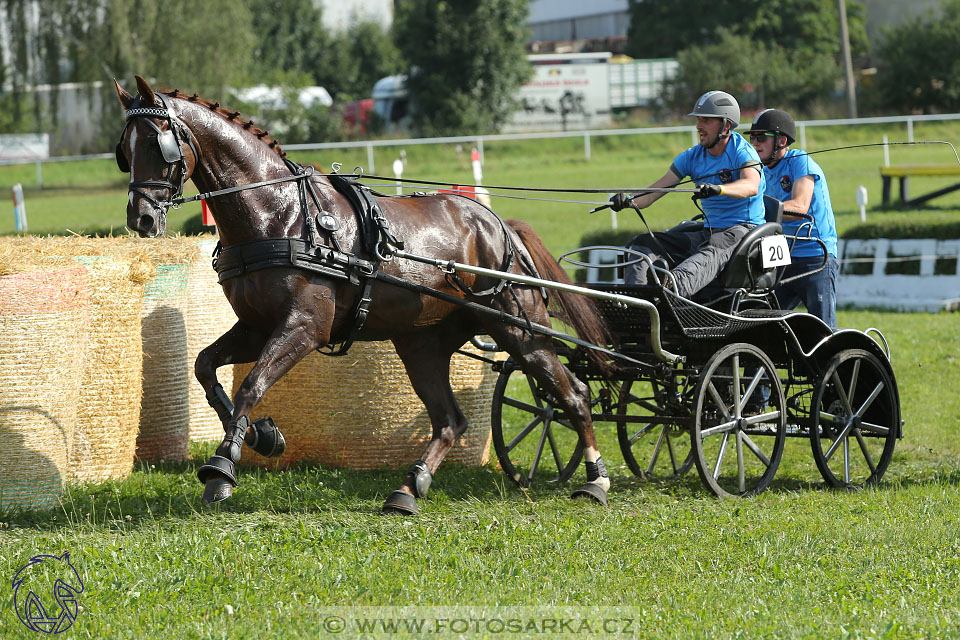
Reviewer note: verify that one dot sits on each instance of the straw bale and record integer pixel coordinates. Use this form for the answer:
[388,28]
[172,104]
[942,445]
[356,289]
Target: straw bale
[359,411]
[44,325]
[164,416]
[209,316]
[108,417]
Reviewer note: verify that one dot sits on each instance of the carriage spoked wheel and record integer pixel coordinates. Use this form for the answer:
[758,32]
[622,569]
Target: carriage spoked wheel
[534,441]
[855,418]
[739,422]
[651,447]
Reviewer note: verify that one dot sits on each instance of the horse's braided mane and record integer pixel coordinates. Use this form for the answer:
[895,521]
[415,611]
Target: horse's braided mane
[233,116]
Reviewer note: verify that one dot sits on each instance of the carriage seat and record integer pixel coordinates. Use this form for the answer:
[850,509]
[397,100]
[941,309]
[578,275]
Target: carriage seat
[744,270]
[746,259]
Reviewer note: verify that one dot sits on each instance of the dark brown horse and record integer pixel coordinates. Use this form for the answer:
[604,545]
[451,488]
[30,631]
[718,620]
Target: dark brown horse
[287,311]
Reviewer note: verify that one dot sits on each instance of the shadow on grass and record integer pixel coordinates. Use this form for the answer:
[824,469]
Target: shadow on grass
[170,490]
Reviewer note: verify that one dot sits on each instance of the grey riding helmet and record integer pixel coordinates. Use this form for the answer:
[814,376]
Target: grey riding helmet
[775,121]
[718,104]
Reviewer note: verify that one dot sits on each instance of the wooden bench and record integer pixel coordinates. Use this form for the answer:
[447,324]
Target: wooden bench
[905,171]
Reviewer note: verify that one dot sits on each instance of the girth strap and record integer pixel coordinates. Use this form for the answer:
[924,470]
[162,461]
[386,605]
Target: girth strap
[238,259]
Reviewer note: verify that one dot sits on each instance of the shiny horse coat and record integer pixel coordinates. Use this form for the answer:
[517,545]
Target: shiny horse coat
[284,313]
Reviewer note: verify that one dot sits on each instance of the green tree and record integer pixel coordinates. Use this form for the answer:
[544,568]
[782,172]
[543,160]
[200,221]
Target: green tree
[920,63]
[783,52]
[289,37]
[177,43]
[757,74]
[466,59]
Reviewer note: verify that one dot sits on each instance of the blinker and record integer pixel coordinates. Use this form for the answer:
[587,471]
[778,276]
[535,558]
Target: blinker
[169,147]
[122,163]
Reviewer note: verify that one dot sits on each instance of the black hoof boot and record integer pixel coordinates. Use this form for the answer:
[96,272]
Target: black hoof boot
[591,491]
[265,438]
[401,503]
[218,479]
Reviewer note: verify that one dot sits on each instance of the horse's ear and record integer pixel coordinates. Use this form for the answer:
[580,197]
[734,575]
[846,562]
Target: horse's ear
[126,100]
[145,91]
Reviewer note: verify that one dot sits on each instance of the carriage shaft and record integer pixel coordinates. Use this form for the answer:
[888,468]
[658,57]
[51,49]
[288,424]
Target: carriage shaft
[449,266]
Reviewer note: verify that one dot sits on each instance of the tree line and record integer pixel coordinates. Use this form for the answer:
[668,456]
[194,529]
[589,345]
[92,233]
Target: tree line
[465,59]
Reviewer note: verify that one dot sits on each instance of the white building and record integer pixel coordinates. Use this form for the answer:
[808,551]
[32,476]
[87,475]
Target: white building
[553,20]
[338,15]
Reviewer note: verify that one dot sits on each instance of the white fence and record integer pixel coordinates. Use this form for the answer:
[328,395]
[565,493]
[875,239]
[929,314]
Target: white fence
[478,141]
[872,273]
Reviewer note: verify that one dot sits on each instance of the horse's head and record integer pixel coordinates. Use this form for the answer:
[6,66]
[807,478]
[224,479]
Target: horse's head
[159,152]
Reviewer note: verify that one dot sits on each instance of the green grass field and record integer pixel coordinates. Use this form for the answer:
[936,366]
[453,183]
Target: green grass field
[304,553]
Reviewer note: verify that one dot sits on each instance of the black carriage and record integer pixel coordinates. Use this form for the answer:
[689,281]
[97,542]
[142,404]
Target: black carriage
[717,383]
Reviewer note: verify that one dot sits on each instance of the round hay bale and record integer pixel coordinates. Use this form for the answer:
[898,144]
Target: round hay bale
[164,415]
[108,416]
[44,323]
[209,316]
[359,411]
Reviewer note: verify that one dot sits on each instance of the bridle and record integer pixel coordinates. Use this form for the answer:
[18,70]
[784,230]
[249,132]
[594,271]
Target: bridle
[171,148]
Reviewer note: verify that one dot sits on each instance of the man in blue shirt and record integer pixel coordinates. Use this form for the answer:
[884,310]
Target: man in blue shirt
[794,178]
[728,172]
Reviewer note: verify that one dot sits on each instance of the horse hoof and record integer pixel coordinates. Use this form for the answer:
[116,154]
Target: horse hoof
[216,490]
[401,503]
[591,491]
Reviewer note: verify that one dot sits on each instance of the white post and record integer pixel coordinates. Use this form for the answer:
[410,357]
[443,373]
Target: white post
[39,175]
[398,171]
[19,209]
[370,166]
[483,196]
[586,146]
[862,202]
[910,130]
[886,152]
[803,136]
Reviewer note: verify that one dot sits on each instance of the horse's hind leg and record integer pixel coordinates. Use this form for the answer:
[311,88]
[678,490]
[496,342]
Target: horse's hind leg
[537,357]
[426,357]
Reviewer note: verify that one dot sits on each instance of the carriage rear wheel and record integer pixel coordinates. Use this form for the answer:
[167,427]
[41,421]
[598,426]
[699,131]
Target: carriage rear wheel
[534,441]
[651,447]
[739,425]
[855,419]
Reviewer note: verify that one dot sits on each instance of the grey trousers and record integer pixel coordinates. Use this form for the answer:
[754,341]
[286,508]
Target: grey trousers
[696,257]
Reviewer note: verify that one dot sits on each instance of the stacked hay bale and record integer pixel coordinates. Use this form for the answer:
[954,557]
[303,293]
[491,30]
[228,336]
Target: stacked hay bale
[167,372]
[209,316]
[44,326]
[108,412]
[359,411]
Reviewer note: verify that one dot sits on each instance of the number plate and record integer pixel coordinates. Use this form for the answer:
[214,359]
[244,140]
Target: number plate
[775,251]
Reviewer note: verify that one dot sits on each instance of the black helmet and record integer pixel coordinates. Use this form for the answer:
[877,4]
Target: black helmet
[775,121]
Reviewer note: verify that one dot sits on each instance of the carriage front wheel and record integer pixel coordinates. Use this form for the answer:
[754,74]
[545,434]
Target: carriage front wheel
[855,419]
[534,441]
[739,425]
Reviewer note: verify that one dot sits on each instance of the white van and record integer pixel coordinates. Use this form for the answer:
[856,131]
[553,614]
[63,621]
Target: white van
[391,100]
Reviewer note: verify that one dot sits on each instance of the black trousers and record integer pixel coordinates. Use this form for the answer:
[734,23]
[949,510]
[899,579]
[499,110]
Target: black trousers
[696,257]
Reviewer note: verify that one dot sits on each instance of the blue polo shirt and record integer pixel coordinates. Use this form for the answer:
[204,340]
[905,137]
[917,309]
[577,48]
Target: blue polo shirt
[723,211]
[780,180]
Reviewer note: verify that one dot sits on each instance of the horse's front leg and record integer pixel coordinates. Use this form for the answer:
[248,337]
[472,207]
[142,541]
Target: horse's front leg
[241,343]
[286,346]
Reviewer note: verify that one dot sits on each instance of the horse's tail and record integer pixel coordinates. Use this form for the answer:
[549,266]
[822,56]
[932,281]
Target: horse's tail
[574,309]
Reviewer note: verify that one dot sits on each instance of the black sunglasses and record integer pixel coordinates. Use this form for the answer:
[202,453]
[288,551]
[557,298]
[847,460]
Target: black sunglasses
[755,137]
